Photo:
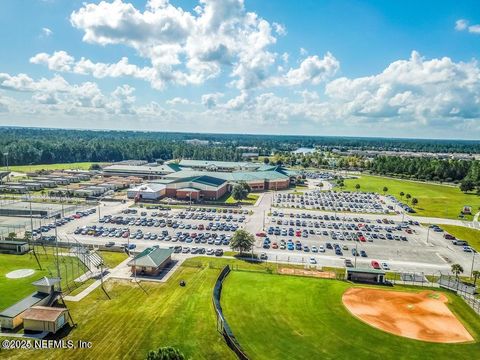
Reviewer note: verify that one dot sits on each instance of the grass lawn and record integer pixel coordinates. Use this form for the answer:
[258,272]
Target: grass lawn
[13,290]
[113,258]
[463,233]
[287,317]
[61,166]
[251,199]
[138,319]
[433,200]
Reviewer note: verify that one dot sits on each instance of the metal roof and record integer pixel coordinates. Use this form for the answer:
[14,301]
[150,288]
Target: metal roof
[231,176]
[150,187]
[163,169]
[201,179]
[12,242]
[24,304]
[222,164]
[45,281]
[366,271]
[152,257]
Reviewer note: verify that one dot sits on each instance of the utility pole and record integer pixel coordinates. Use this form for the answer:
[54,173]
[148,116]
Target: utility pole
[58,264]
[428,233]
[356,254]
[6,159]
[473,261]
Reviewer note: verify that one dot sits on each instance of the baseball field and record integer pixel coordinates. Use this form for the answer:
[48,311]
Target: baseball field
[288,317]
[273,317]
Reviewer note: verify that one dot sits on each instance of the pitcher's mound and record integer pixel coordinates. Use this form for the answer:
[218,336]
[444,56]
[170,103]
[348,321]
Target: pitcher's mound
[421,316]
[21,273]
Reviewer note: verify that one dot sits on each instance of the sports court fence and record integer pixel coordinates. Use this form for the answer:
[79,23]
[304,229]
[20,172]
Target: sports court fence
[222,325]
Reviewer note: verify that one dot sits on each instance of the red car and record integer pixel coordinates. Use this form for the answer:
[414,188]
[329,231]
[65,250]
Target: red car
[274,245]
[261,234]
[361,238]
[375,264]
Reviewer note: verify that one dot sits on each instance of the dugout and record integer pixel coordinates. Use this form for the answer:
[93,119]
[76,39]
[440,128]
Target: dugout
[372,276]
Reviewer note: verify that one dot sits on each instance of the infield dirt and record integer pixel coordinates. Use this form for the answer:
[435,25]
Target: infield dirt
[421,316]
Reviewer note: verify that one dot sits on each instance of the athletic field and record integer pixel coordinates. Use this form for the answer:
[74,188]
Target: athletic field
[287,317]
[433,200]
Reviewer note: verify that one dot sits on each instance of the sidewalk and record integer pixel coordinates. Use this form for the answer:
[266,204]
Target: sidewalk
[97,283]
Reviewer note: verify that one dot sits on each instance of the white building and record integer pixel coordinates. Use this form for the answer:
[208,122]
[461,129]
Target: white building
[147,191]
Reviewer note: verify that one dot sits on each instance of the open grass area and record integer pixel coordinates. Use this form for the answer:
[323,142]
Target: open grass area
[140,318]
[61,166]
[13,290]
[251,199]
[273,317]
[113,258]
[464,233]
[433,200]
[287,317]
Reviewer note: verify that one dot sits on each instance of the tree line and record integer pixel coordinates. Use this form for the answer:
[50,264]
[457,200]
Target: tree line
[44,146]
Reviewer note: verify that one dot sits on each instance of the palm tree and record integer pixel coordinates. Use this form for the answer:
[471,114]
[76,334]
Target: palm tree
[414,201]
[402,194]
[385,189]
[408,196]
[357,187]
[476,275]
[457,269]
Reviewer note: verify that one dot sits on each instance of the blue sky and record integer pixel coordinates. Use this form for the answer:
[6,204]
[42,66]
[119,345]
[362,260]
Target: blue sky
[366,68]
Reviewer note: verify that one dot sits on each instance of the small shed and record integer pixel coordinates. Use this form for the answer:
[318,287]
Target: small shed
[14,247]
[11,317]
[366,275]
[151,261]
[44,318]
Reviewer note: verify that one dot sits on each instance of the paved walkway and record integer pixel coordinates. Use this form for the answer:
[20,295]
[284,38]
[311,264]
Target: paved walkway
[123,272]
[97,282]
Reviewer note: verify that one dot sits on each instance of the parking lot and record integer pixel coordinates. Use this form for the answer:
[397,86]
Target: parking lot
[196,231]
[333,201]
[335,239]
[302,236]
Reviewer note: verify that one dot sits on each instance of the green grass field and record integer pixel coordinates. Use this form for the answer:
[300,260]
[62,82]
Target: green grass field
[433,200]
[463,233]
[13,290]
[286,317]
[251,199]
[273,317]
[113,258]
[138,319]
[61,166]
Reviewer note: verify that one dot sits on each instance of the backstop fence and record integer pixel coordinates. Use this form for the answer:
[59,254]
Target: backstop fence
[222,325]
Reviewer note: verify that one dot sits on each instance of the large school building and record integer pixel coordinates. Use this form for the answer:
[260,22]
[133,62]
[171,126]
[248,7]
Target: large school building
[200,180]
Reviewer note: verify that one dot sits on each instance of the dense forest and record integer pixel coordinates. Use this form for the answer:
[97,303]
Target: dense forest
[43,146]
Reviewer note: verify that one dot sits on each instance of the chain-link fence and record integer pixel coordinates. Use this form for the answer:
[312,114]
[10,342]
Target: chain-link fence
[222,324]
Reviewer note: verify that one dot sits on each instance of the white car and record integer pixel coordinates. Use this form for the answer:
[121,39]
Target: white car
[385,266]
[312,260]
[314,249]
[321,248]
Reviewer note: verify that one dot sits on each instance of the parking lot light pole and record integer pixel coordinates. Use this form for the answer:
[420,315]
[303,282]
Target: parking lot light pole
[473,262]
[428,233]
[356,254]
[263,223]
